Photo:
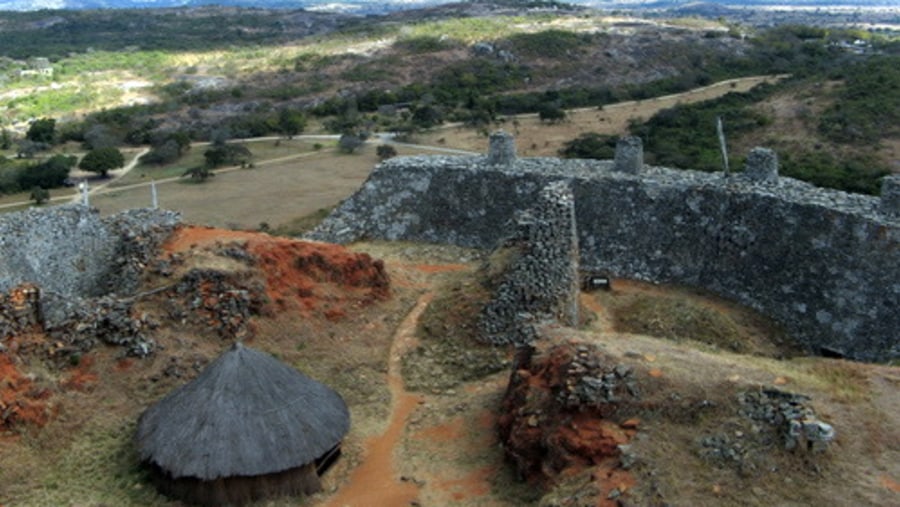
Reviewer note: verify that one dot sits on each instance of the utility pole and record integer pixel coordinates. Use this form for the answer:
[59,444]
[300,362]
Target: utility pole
[721,132]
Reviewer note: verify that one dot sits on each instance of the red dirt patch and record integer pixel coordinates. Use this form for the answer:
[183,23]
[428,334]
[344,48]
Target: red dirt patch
[188,237]
[300,275]
[81,378]
[319,275]
[21,402]
[890,484]
[476,484]
[447,432]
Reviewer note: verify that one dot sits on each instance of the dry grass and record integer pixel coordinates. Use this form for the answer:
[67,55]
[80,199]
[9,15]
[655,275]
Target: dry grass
[273,193]
[689,315]
[449,353]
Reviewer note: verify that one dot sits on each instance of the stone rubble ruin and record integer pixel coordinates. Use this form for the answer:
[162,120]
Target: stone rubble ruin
[70,271]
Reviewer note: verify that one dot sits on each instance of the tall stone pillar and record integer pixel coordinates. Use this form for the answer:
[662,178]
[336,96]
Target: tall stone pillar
[890,195]
[502,149]
[762,165]
[629,155]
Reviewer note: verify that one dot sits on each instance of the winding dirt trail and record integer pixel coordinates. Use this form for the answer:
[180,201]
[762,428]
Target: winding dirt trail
[375,482]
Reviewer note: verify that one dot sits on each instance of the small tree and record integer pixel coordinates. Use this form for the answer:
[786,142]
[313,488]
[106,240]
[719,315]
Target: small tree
[385,151]
[5,140]
[590,145]
[222,154]
[348,143]
[39,195]
[551,114]
[291,123]
[199,173]
[42,130]
[102,160]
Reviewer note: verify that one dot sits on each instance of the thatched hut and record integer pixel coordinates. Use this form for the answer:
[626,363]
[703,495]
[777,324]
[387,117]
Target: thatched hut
[248,427]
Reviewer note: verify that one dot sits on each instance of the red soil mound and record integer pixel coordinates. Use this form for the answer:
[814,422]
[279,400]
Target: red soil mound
[300,275]
[558,418]
[21,402]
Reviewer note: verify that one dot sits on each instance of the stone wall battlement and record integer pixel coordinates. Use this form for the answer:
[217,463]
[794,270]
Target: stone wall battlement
[824,263]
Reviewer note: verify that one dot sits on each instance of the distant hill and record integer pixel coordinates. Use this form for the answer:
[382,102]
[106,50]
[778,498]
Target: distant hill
[359,6]
[383,6]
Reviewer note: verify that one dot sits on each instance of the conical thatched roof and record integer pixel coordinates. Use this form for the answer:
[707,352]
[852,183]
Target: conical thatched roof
[246,414]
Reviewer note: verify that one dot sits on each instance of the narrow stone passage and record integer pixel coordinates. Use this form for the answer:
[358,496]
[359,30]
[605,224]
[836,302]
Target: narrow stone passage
[375,482]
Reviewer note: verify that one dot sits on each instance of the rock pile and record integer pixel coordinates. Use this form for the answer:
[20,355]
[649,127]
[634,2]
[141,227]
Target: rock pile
[540,281]
[107,319]
[589,382]
[20,310]
[223,302]
[790,414]
[558,416]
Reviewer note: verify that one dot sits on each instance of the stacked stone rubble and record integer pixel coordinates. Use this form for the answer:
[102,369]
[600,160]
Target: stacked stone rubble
[796,422]
[540,282]
[502,149]
[222,302]
[20,310]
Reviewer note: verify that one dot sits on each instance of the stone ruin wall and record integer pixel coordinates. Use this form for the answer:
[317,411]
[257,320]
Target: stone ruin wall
[823,263]
[539,280]
[71,260]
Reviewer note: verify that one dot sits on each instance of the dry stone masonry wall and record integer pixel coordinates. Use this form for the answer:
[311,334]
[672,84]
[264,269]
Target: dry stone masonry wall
[79,265]
[540,281]
[824,263]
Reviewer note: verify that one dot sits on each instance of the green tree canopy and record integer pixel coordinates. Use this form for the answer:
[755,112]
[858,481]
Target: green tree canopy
[291,122]
[590,145]
[50,173]
[42,130]
[348,143]
[385,151]
[39,195]
[551,113]
[221,154]
[102,160]
[199,173]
